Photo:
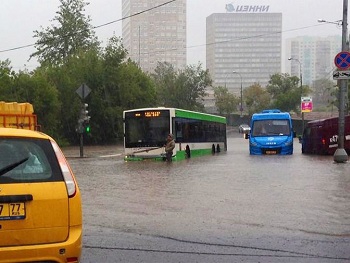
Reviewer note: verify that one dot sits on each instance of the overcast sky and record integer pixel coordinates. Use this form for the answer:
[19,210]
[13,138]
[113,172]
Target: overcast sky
[19,18]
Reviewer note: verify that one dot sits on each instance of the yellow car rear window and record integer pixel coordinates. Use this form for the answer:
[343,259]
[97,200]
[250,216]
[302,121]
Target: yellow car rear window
[27,160]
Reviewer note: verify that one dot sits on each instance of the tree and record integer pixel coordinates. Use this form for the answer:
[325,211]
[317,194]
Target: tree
[6,81]
[71,35]
[37,90]
[324,94]
[225,101]
[196,80]
[181,88]
[123,86]
[281,83]
[34,88]
[285,92]
[164,77]
[256,98]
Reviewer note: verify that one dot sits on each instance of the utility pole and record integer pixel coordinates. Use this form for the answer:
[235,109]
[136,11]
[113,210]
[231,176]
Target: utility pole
[340,155]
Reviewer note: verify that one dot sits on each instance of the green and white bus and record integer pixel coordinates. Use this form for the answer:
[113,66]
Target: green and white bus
[195,133]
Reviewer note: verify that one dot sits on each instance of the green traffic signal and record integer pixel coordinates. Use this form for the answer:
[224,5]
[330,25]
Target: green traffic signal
[87,129]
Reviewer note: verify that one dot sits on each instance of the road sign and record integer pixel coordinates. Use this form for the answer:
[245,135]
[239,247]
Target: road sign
[341,74]
[306,104]
[83,91]
[342,60]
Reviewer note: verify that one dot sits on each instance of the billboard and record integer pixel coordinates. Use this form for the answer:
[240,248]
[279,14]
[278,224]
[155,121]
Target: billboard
[232,8]
[306,104]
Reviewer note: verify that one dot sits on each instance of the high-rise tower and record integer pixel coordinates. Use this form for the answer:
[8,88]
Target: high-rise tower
[243,48]
[156,35]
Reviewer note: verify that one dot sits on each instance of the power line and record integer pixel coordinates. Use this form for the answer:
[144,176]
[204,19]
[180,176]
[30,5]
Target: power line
[257,36]
[175,49]
[237,39]
[136,14]
[102,25]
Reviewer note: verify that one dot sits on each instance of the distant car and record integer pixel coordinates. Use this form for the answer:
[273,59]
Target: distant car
[244,128]
[40,202]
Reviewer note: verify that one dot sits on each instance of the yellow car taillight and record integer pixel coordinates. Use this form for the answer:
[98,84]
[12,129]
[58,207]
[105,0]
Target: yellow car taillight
[66,171]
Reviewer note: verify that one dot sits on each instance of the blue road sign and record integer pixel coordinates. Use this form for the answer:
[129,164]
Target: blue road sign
[342,60]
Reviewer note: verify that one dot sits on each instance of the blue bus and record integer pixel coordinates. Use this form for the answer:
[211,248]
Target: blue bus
[271,133]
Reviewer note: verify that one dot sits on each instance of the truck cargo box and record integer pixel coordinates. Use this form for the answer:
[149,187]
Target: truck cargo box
[18,115]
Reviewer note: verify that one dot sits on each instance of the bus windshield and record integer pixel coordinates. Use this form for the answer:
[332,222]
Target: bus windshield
[144,129]
[270,128]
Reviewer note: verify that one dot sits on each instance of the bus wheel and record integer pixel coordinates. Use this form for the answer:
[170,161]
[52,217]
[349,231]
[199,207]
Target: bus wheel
[218,148]
[213,149]
[188,152]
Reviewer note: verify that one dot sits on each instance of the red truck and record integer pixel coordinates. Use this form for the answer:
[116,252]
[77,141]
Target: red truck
[321,136]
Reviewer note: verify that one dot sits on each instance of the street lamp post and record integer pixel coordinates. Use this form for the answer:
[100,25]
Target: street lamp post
[241,106]
[338,22]
[301,91]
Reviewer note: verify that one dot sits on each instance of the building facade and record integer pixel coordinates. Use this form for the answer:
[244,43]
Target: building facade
[316,56]
[243,48]
[154,32]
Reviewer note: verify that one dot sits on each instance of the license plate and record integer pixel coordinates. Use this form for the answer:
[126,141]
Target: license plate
[12,211]
[271,152]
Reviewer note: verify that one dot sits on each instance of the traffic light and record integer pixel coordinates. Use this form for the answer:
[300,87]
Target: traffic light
[84,120]
[85,113]
[87,128]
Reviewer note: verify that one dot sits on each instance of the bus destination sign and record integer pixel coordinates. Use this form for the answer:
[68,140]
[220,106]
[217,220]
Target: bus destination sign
[151,114]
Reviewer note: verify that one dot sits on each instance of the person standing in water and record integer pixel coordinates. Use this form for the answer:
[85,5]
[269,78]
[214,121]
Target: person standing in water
[169,147]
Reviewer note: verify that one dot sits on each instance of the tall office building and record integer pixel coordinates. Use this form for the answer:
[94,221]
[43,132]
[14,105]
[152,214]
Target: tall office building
[243,48]
[312,57]
[156,35]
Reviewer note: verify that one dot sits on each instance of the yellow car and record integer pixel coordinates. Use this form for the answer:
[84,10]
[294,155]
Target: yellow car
[40,202]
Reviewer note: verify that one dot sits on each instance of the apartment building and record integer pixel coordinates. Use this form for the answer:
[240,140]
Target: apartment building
[155,32]
[312,57]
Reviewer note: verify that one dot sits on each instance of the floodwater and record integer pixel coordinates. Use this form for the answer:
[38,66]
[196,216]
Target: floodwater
[230,207]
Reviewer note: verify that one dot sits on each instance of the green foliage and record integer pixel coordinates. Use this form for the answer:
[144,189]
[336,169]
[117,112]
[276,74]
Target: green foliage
[256,98]
[71,34]
[324,94]
[225,101]
[181,88]
[7,91]
[281,83]
[164,78]
[285,92]
[70,56]
[36,90]
[136,89]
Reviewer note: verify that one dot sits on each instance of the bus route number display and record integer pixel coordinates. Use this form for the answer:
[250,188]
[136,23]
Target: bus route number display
[151,114]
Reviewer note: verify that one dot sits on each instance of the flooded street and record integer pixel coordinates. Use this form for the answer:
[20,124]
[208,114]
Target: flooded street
[231,207]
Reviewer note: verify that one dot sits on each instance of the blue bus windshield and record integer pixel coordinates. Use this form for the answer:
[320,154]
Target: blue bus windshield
[271,128]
